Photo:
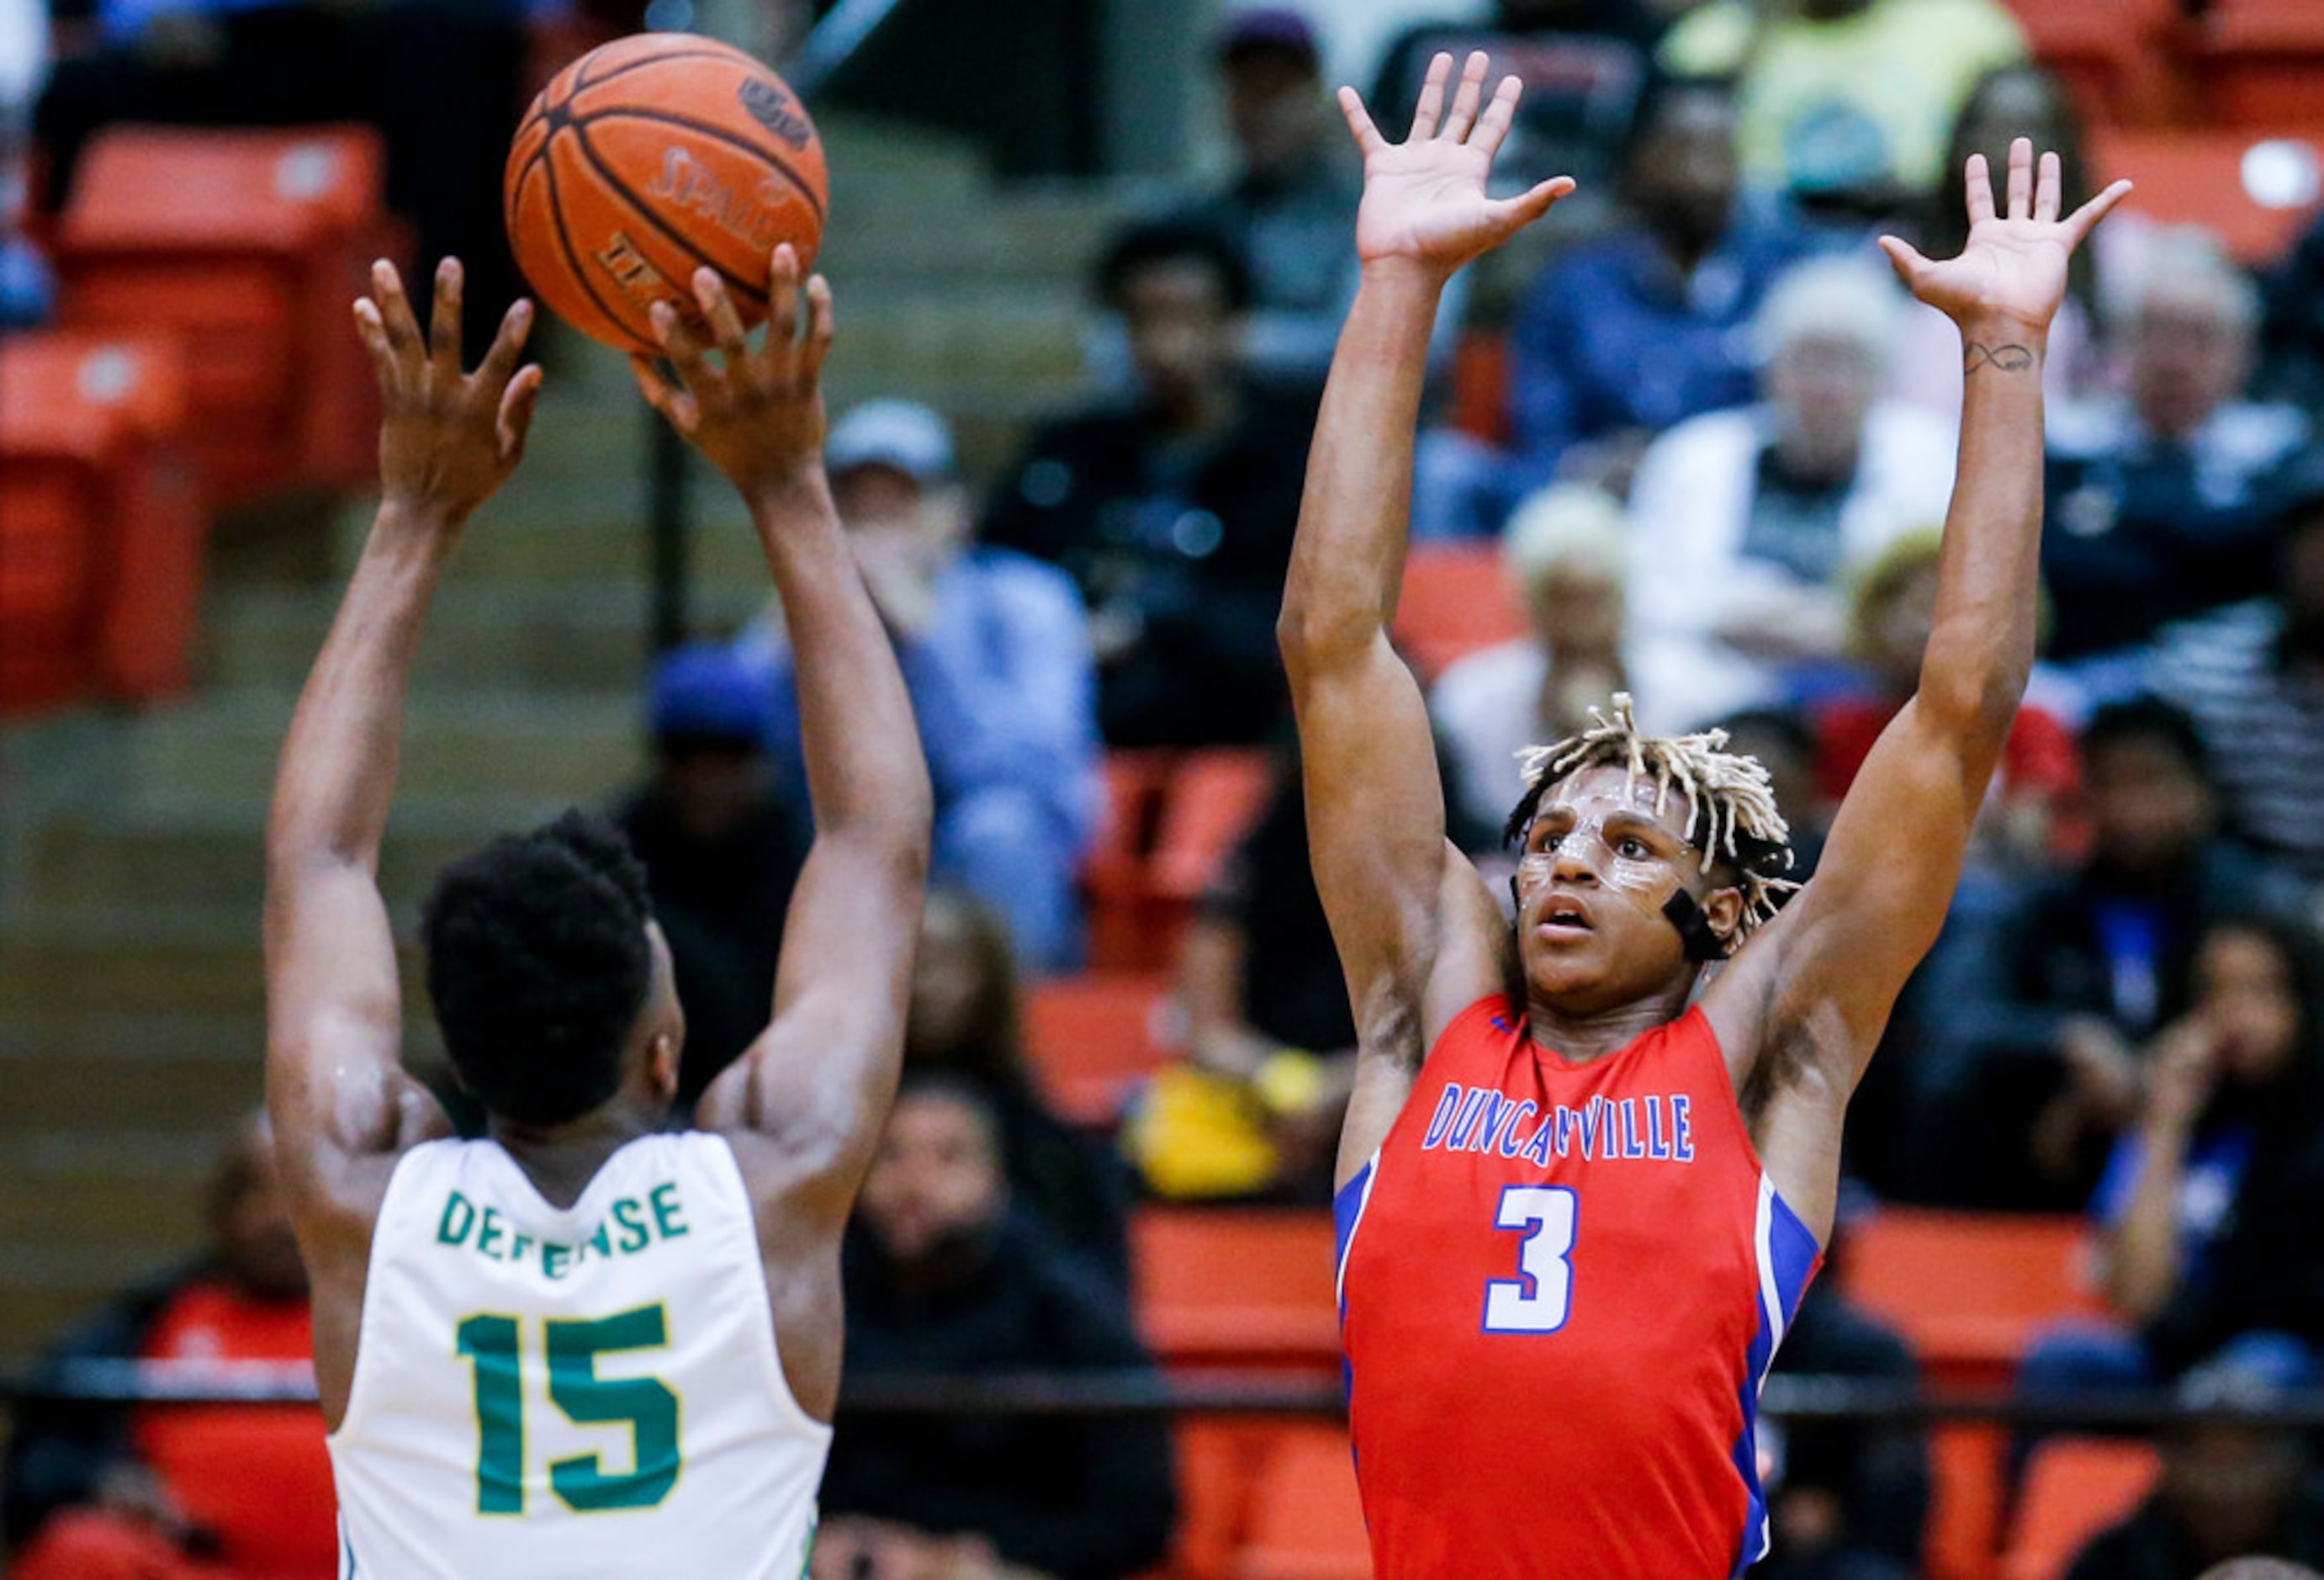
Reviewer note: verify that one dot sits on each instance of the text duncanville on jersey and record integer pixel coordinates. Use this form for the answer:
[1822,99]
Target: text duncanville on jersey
[1659,1128]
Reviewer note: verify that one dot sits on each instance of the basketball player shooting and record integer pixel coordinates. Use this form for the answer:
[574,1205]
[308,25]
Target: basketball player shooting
[1578,1201]
[586,1345]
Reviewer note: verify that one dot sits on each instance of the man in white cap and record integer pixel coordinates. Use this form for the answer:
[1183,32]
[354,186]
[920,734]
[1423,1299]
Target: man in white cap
[995,650]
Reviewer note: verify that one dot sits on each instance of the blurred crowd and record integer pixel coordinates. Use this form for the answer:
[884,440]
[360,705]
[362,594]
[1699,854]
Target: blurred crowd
[1714,442]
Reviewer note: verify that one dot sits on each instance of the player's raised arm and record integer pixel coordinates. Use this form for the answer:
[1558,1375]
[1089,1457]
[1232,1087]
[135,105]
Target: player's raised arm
[343,1107]
[818,1081]
[1821,985]
[1375,811]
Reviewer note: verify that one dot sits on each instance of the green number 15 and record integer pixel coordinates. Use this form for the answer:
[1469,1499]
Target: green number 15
[648,1407]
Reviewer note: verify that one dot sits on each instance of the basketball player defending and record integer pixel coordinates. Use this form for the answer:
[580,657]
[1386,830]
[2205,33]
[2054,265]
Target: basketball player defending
[1578,1201]
[588,1346]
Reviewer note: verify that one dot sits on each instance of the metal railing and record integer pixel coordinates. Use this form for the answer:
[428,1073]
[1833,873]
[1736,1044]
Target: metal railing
[1199,1392]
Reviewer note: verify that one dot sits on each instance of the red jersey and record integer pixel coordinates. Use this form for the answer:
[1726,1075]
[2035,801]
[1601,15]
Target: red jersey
[259,1477]
[1559,1288]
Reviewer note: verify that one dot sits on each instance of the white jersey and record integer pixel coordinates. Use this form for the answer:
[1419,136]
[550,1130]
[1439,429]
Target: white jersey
[585,1392]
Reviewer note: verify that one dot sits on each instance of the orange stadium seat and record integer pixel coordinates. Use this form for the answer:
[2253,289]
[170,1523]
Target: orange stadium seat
[2262,62]
[1173,818]
[1237,1286]
[2120,59]
[1220,1458]
[1213,800]
[1091,1040]
[2198,177]
[1114,874]
[1965,1498]
[1966,1289]
[2075,1487]
[1455,600]
[249,245]
[1307,1522]
[101,523]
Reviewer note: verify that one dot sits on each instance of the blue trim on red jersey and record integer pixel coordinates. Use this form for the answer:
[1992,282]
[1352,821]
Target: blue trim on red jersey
[1787,1260]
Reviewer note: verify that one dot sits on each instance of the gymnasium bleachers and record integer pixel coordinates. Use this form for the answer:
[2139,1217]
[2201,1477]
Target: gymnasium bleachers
[203,365]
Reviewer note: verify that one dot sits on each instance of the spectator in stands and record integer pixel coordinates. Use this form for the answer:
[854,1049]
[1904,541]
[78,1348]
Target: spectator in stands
[2050,1000]
[2157,502]
[996,653]
[1893,607]
[2253,677]
[1290,205]
[1742,520]
[1630,332]
[2211,1252]
[2225,1492]
[965,1022]
[1851,1500]
[722,848]
[1846,103]
[442,79]
[2009,102]
[1253,1111]
[1174,514]
[1565,555]
[945,1282]
[190,1492]
[27,290]
[2291,334]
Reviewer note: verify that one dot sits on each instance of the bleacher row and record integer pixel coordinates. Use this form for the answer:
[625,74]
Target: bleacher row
[203,361]
[1266,1498]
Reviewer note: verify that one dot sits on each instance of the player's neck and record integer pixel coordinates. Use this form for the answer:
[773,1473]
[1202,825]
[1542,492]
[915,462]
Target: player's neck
[1587,1036]
[560,1159]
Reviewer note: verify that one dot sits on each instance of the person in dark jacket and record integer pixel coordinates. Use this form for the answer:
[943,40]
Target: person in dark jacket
[965,1022]
[721,851]
[2242,1497]
[2050,1000]
[944,1281]
[1173,514]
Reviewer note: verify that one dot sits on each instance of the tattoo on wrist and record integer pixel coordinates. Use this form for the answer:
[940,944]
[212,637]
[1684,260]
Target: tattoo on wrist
[2009,358]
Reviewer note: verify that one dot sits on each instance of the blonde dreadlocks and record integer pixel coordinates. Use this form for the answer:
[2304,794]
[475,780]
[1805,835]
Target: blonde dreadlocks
[1731,814]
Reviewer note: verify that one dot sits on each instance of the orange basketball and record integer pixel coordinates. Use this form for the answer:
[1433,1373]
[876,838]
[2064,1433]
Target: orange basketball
[648,158]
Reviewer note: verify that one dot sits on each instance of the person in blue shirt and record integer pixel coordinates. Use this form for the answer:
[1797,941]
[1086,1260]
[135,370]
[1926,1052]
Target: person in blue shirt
[2211,1253]
[995,650]
[1631,332]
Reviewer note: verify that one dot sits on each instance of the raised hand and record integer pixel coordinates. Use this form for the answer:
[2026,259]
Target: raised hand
[446,441]
[1424,199]
[2013,272]
[757,414]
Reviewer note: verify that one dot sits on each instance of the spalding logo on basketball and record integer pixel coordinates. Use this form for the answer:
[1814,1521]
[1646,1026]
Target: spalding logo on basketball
[649,158]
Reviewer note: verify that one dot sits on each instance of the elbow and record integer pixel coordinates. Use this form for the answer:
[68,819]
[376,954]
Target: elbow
[1975,696]
[1311,639]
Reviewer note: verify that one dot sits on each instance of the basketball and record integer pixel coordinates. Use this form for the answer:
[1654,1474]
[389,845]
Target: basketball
[647,159]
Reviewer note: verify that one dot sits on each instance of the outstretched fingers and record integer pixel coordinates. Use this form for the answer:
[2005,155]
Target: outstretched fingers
[1431,106]
[372,331]
[1904,258]
[2079,223]
[1465,99]
[395,315]
[443,319]
[1977,180]
[782,295]
[720,313]
[664,396]
[2046,189]
[816,344]
[2021,178]
[1493,125]
[1514,214]
[519,400]
[508,344]
[1360,122]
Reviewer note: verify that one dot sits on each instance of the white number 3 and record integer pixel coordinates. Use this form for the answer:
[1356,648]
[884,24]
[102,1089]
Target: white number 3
[1539,1298]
